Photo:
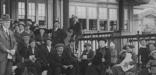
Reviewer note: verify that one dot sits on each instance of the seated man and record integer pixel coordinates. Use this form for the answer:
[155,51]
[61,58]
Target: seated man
[61,61]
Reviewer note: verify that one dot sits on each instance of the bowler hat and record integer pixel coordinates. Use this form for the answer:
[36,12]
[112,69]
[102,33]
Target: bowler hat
[5,17]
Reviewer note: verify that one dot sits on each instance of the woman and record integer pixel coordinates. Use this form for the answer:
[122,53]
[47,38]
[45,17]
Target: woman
[127,62]
[42,36]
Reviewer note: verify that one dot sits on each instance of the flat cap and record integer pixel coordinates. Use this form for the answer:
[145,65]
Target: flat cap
[59,45]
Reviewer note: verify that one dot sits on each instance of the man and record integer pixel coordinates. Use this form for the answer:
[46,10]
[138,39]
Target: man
[7,46]
[46,52]
[62,62]
[86,59]
[143,53]
[58,35]
[102,58]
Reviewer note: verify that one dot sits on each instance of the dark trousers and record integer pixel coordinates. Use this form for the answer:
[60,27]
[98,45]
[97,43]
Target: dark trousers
[61,71]
[5,67]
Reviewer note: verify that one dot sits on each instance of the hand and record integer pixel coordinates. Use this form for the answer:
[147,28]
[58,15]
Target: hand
[12,52]
[109,71]
[149,70]
[103,60]
[64,66]
[71,66]
[38,43]
[89,64]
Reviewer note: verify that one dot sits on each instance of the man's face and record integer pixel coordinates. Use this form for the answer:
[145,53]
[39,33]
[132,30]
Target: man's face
[33,44]
[60,50]
[26,39]
[42,31]
[88,47]
[21,27]
[56,25]
[6,24]
[143,43]
[102,44]
[49,42]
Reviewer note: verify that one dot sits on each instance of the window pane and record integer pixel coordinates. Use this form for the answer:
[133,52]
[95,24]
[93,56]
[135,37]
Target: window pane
[83,23]
[113,14]
[92,12]
[92,24]
[72,11]
[103,25]
[21,10]
[81,12]
[41,11]
[125,19]
[113,25]
[103,13]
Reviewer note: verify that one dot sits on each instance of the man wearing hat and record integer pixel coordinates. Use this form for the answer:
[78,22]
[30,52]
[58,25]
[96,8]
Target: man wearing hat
[62,62]
[7,46]
[47,51]
[86,59]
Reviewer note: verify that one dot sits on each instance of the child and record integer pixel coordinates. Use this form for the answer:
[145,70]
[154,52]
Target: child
[151,65]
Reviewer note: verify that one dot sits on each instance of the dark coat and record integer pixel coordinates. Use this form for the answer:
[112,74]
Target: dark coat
[46,56]
[59,61]
[58,36]
[102,53]
[6,42]
[40,38]
[144,53]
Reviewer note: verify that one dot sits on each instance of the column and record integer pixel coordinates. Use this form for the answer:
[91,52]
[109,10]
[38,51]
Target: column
[56,9]
[26,11]
[121,24]
[66,14]
[121,15]
[50,13]
[1,8]
[8,6]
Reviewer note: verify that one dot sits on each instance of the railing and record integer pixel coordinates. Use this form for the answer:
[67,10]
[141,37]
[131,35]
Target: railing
[118,40]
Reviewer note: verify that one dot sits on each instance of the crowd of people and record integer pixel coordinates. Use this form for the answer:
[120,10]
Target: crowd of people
[36,50]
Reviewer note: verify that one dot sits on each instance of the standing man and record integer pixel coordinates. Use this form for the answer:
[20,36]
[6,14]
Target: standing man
[7,46]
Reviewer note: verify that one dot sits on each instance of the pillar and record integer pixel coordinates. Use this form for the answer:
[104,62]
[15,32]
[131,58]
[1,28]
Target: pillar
[121,15]
[50,13]
[66,14]
[1,8]
[8,6]
[26,11]
[56,7]
[121,25]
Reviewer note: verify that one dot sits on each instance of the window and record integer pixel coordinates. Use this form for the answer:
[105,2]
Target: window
[31,11]
[92,15]
[92,24]
[4,6]
[41,13]
[103,18]
[81,13]
[72,11]
[21,10]
[83,23]
[113,19]
[103,25]
[125,19]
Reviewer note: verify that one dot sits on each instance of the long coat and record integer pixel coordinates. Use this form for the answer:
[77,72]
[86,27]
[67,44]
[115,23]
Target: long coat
[6,42]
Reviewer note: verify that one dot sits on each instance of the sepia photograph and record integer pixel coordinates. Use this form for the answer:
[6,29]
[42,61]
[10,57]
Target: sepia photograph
[77,37]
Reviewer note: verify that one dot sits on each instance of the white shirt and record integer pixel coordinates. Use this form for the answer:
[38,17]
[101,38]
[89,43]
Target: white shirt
[49,48]
[33,50]
[6,30]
